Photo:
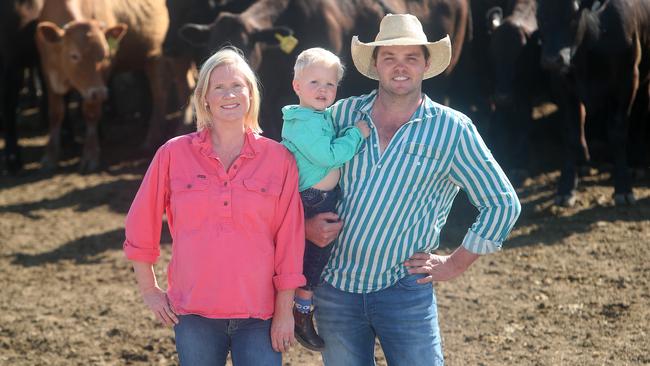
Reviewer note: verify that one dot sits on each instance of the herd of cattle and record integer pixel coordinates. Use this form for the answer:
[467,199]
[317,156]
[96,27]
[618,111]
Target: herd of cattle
[591,57]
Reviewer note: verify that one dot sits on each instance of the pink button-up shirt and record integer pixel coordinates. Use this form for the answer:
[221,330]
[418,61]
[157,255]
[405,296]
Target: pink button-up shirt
[238,235]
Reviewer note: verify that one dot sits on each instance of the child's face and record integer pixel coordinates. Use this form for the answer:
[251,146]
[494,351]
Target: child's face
[316,86]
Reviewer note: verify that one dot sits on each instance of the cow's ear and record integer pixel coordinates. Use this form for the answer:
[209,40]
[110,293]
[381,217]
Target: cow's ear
[49,32]
[494,18]
[116,32]
[271,36]
[197,35]
[276,36]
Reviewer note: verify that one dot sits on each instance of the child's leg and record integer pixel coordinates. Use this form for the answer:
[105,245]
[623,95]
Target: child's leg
[304,294]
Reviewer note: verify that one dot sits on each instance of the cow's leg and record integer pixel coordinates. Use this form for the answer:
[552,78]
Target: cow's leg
[638,132]
[11,80]
[617,130]
[56,110]
[520,127]
[617,133]
[183,72]
[572,121]
[92,112]
[155,69]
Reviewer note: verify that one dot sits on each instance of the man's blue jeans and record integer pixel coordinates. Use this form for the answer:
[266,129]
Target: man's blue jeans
[204,341]
[404,317]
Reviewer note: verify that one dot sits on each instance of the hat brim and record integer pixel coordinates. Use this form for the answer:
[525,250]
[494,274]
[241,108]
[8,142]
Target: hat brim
[439,55]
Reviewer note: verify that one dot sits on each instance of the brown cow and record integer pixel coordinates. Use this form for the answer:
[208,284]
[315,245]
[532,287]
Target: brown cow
[323,23]
[80,42]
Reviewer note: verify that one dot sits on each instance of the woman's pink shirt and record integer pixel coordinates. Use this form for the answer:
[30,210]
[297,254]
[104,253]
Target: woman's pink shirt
[238,235]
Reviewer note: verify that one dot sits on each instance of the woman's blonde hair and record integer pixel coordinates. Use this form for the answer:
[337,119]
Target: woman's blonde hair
[226,56]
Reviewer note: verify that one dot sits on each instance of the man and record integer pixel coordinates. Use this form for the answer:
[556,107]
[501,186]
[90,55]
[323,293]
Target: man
[397,193]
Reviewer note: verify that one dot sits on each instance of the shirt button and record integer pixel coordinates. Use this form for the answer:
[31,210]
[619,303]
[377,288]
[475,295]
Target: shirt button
[225,184]
[225,203]
[263,189]
[378,166]
[234,166]
[189,186]
[374,145]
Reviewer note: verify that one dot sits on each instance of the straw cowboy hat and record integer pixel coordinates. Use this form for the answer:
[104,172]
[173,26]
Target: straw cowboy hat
[401,30]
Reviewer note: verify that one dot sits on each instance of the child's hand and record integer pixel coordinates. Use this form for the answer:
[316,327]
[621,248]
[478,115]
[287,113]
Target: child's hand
[363,127]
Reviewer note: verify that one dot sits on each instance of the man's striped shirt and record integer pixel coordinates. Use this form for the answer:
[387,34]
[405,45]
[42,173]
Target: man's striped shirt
[396,202]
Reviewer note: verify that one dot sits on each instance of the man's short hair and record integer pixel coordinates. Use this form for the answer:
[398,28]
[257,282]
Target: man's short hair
[317,55]
[425,50]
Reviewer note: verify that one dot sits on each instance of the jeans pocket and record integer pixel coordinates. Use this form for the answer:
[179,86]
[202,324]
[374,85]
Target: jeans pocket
[311,197]
[410,283]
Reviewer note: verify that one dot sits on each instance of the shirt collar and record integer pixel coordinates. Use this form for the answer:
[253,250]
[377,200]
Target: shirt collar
[426,110]
[203,142]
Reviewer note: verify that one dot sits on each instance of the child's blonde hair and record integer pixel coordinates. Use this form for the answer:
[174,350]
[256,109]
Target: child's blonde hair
[320,56]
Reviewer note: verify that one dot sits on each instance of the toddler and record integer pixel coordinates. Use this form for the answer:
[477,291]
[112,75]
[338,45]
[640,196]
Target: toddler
[308,132]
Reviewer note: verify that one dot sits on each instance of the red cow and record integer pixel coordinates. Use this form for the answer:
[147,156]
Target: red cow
[80,42]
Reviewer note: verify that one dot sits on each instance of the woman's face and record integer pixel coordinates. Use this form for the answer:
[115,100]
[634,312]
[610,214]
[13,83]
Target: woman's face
[228,96]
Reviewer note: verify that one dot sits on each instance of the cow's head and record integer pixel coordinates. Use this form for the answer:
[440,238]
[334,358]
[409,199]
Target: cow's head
[506,47]
[232,29]
[564,26]
[81,53]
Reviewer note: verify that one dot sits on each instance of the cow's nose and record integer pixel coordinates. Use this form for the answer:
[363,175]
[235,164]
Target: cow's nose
[98,94]
[560,61]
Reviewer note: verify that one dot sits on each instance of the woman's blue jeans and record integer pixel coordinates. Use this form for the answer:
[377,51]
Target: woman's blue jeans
[204,341]
[404,317]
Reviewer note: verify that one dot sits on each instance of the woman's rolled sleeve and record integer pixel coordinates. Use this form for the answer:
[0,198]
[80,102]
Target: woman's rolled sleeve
[290,232]
[144,220]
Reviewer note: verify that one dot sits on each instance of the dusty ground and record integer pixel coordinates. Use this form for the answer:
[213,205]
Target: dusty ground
[571,286]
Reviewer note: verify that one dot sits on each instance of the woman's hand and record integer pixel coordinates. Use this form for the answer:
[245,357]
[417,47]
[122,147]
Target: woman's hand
[157,301]
[282,324]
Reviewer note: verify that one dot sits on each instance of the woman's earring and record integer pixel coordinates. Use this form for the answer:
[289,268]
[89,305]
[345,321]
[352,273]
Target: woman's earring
[207,106]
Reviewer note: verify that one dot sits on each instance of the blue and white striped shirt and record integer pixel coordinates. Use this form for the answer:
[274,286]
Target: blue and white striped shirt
[396,202]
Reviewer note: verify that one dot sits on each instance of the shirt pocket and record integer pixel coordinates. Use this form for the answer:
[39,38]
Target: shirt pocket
[264,188]
[421,163]
[190,202]
[258,201]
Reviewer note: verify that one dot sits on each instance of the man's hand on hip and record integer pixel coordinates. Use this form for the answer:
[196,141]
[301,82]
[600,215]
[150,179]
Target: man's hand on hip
[323,228]
[440,267]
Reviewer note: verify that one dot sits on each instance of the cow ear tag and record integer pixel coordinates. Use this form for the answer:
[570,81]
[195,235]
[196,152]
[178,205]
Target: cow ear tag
[287,43]
[113,44]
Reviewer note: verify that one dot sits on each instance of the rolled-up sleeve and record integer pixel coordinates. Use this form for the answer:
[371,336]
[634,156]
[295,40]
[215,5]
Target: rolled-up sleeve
[144,220]
[474,169]
[290,232]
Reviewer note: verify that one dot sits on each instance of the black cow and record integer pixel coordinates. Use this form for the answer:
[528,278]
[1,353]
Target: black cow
[606,45]
[182,56]
[517,79]
[261,28]
[17,52]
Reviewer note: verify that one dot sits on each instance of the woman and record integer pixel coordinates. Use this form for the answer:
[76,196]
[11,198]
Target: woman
[235,215]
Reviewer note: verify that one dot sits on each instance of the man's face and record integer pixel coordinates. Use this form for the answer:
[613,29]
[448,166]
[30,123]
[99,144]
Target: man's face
[401,69]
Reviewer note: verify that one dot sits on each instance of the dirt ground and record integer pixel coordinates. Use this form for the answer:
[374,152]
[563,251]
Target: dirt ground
[571,286]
